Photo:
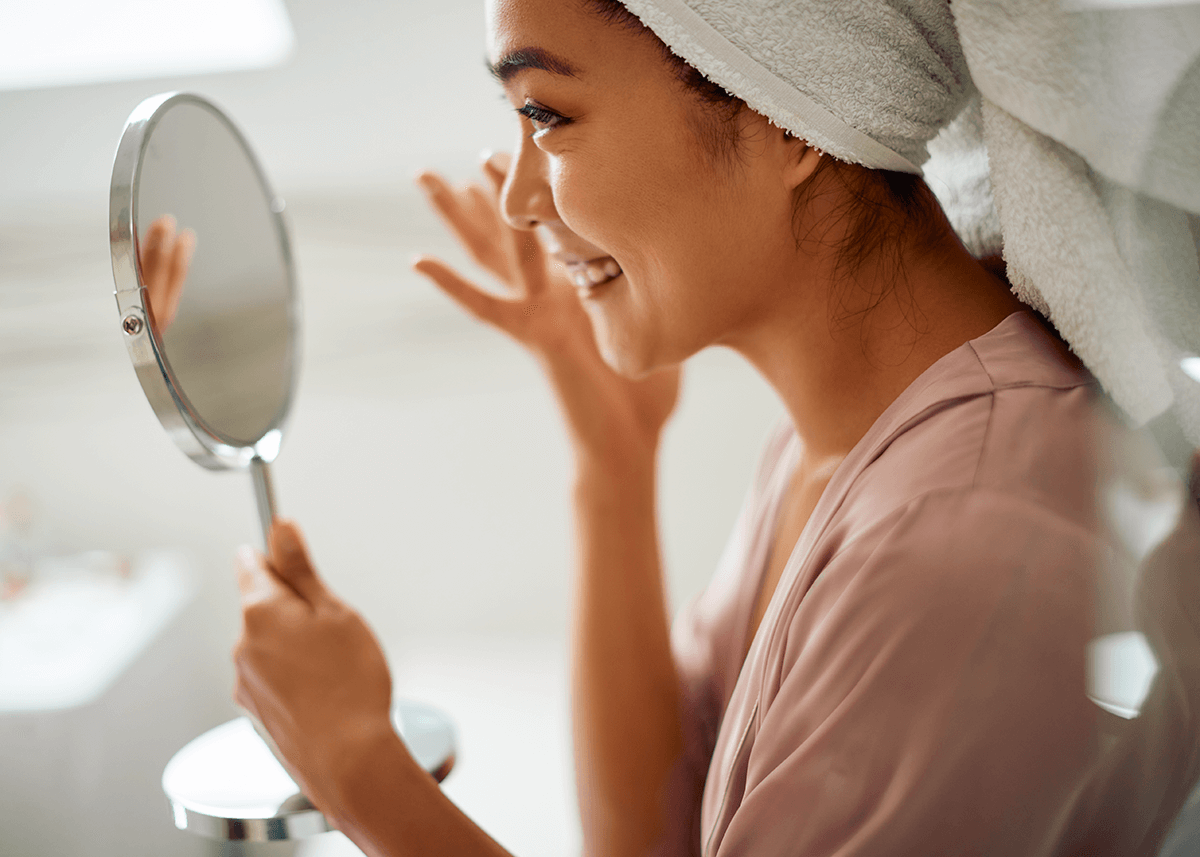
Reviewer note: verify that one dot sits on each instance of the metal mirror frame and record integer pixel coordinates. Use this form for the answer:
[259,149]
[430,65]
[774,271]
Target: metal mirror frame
[200,441]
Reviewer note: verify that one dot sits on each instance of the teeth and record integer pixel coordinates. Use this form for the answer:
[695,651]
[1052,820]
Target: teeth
[594,273]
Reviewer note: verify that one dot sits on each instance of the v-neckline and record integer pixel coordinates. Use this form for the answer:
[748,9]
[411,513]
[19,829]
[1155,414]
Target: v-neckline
[885,426]
[768,525]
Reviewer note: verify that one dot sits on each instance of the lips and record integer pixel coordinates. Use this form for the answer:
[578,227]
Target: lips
[593,272]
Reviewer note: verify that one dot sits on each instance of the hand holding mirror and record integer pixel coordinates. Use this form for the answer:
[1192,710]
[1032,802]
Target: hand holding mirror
[206,292]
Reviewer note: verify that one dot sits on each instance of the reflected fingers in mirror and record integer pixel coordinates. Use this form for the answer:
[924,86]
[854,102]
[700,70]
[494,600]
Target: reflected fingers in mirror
[165,258]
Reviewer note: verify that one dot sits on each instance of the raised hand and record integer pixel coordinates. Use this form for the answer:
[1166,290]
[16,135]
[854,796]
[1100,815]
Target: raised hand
[165,256]
[543,315]
[607,414]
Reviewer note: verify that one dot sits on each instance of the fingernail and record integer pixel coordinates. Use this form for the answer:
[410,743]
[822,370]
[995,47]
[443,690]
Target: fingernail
[485,155]
[424,181]
[247,556]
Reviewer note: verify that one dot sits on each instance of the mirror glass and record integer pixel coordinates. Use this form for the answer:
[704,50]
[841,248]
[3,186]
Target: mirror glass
[225,333]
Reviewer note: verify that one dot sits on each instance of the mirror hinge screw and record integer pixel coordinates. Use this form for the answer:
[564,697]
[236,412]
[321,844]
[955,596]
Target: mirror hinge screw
[132,325]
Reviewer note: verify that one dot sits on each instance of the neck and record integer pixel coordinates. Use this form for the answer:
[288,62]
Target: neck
[838,354]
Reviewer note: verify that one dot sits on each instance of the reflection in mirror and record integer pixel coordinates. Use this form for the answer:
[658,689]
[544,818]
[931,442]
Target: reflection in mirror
[216,275]
[164,256]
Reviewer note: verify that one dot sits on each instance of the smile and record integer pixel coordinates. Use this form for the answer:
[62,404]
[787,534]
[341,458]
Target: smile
[594,272]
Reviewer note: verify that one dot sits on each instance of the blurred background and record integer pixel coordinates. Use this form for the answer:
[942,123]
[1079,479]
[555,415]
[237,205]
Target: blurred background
[424,456]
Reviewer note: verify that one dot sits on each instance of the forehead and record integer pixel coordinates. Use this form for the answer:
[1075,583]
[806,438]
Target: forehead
[555,25]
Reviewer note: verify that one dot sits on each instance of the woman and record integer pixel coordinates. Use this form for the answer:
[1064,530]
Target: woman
[890,659]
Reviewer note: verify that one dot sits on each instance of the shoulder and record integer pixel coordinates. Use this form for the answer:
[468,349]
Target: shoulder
[962,547]
[968,543]
[980,485]
[1010,413]
[1040,444]
[968,581]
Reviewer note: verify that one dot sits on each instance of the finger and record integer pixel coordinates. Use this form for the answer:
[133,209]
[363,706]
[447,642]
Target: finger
[481,202]
[256,582]
[436,189]
[495,168]
[154,252]
[159,229]
[524,257]
[485,307]
[153,249]
[476,228]
[483,213]
[291,562]
[181,259]
[484,210]
[177,271]
[446,202]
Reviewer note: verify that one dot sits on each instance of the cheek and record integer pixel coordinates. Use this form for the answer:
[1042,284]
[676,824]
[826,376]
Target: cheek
[619,198]
[588,200]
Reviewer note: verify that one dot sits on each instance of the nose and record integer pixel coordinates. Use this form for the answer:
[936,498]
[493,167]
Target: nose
[526,200]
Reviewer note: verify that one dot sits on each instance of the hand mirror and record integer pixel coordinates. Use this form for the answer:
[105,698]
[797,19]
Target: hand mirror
[206,293]
[205,285]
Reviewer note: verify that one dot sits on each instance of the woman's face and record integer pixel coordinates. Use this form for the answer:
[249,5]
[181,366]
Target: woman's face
[610,168]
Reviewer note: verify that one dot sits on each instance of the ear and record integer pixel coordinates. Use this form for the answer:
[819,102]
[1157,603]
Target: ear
[801,161]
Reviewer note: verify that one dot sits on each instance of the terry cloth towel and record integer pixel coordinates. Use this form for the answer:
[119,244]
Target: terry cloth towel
[1081,120]
[1091,116]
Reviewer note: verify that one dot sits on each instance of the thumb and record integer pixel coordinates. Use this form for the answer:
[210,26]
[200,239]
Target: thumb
[291,563]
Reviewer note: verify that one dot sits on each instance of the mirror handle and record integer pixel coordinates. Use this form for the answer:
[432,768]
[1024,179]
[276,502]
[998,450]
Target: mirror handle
[264,495]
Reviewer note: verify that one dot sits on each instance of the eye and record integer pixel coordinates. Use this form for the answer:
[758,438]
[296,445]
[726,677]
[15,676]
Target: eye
[541,119]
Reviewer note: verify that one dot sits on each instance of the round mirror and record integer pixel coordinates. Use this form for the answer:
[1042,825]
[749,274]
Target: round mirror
[205,284]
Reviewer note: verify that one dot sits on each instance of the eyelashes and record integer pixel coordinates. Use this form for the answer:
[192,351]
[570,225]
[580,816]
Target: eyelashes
[541,119]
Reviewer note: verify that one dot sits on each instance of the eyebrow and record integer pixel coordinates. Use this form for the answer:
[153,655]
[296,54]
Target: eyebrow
[514,62]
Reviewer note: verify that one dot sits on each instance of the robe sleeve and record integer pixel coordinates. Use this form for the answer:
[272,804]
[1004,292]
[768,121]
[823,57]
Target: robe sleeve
[926,695]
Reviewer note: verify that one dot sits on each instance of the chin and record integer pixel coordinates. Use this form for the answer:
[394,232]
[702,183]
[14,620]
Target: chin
[628,354]
[621,363]
[631,363]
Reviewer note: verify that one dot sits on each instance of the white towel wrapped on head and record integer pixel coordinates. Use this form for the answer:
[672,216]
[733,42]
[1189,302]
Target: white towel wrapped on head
[789,62]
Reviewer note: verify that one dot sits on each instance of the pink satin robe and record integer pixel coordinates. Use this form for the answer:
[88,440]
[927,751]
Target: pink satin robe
[917,684]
